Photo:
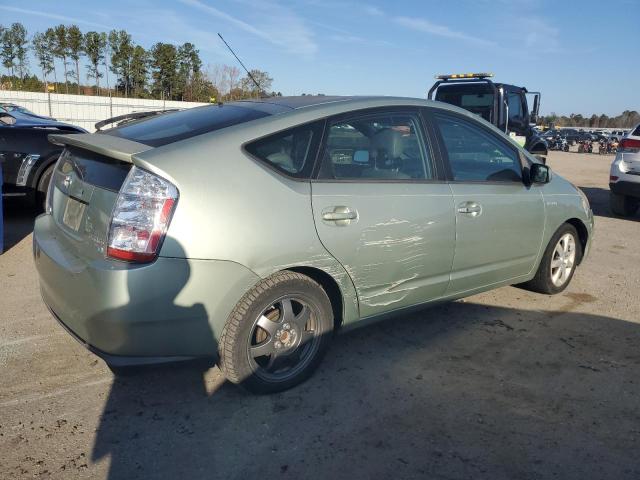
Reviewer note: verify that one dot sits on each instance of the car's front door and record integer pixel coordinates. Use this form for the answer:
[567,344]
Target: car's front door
[381,210]
[499,219]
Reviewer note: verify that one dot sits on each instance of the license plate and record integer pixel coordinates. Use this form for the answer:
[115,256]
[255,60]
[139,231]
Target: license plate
[73,213]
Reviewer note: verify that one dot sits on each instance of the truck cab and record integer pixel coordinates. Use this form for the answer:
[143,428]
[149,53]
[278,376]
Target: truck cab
[501,104]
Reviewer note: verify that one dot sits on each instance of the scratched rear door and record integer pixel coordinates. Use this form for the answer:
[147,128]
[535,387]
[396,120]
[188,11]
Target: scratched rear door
[381,210]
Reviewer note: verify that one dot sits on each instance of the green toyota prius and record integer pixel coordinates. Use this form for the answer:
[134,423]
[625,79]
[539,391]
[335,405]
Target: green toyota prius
[249,232]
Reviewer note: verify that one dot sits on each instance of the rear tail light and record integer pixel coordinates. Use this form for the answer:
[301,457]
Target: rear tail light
[613,178]
[141,216]
[629,145]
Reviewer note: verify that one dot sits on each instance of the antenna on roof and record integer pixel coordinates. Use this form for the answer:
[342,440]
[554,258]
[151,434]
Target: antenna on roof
[240,62]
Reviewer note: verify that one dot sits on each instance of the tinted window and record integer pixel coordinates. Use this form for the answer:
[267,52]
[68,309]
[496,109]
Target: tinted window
[476,154]
[94,169]
[173,127]
[636,132]
[291,151]
[385,147]
[480,103]
[515,106]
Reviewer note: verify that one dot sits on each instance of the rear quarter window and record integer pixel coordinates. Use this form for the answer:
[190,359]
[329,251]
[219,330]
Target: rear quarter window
[636,132]
[173,127]
[291,151]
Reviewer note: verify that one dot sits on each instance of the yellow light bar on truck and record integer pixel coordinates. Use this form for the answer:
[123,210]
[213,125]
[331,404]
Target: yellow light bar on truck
[463,75]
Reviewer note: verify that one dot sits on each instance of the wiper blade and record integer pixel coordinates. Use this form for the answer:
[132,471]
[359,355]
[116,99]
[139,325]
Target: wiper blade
[130,117]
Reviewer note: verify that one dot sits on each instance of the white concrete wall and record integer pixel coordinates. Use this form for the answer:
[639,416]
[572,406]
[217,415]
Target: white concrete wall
[83,110]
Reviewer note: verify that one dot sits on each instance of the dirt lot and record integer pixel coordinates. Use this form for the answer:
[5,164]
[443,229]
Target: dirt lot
[506,384]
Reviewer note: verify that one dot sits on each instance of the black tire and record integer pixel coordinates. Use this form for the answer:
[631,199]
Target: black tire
[623,205]
[43,187]
[236,346]
[542,281]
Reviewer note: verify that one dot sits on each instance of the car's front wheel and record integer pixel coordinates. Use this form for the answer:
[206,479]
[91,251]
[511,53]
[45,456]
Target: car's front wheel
[623,205]
[558,263]
[277,334]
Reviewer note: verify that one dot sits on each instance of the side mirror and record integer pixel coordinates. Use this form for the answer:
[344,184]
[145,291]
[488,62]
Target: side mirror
[539,173]
[533,116]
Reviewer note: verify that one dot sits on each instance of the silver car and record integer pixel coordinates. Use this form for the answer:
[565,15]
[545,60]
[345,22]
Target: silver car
[252,231]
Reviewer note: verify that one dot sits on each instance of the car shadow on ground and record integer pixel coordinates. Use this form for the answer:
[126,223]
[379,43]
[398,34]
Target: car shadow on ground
[599,201]
[462,390]
[18,221]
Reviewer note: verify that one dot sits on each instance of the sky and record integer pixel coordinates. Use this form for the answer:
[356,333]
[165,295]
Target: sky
[581,54]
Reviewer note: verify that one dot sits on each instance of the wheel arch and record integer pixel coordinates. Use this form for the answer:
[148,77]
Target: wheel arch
[331,288]
[539,148]
[49,161]
[583,234]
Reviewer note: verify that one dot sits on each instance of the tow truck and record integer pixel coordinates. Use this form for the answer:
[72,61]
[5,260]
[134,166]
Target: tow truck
[503,105]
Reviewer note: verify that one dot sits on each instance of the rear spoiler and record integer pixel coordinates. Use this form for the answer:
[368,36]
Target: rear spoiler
[108,145]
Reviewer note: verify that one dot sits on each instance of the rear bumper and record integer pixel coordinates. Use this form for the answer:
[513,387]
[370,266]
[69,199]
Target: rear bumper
[171,309]
[622,187]
[120,360]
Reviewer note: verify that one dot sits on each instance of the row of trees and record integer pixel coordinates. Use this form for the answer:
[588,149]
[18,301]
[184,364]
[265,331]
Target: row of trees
[164,71]
[628,119]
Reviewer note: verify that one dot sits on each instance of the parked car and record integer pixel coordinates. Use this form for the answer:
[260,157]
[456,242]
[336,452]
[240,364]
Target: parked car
[624,179]
[572,135]
[254,230]
[27,156]
[14,108]
[617,135]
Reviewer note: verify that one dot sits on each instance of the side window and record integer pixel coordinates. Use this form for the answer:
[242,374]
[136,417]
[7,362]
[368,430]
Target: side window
[377,147]
[515,106]
[476,154]
[291,151]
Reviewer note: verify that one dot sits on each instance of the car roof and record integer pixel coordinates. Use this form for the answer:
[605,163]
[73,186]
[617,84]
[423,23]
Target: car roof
[301,101]
[478,86]
[335,104]
[307,108]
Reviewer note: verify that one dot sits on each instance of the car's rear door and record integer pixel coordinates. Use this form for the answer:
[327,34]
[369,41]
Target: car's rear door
[499,219]
[382,211]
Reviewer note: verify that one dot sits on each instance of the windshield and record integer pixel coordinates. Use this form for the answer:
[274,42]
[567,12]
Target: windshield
[479,103]
[8,107]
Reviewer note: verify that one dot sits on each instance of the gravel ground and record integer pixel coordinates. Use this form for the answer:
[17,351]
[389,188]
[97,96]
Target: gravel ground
[506,384]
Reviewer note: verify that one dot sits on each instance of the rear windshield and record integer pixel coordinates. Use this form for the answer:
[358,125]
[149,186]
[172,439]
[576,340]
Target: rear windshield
[173,127]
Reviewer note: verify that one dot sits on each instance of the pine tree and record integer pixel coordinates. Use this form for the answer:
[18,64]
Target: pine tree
[75,48]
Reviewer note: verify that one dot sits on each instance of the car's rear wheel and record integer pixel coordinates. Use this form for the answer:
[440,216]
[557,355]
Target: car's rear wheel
[623,205]
[277,334]
[558,263]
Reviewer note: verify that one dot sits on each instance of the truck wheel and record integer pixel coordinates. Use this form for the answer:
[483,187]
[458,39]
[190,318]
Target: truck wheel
[277,334]
[43,186]
[558,263]
[622,205]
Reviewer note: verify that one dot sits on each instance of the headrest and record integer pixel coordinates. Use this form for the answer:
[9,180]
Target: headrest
[389,141]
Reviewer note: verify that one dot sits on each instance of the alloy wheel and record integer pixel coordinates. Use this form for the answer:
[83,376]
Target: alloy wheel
[283,339]
[563,260]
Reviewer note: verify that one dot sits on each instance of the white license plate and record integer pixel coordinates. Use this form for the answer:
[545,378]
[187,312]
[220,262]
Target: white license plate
[73,213]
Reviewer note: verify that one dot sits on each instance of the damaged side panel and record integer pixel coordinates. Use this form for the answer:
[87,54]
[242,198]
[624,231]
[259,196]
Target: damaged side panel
[398,249]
